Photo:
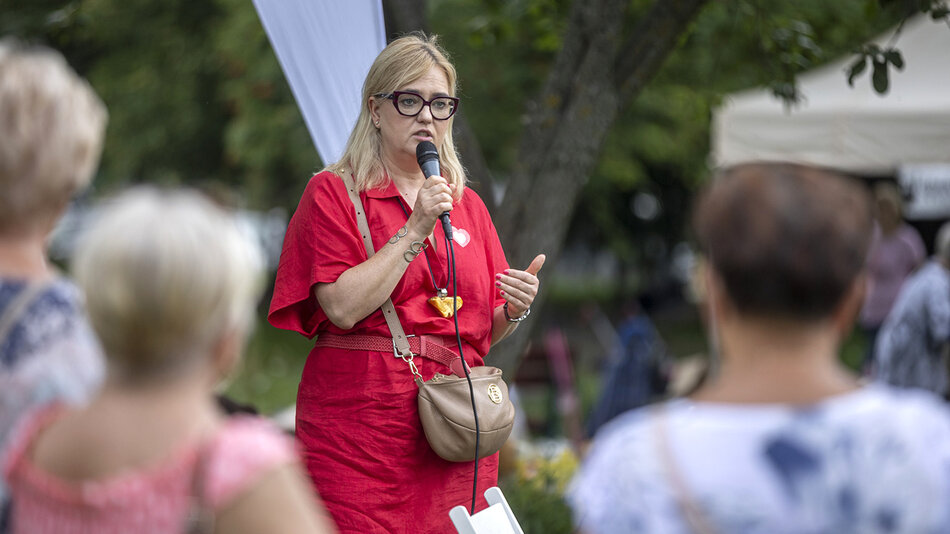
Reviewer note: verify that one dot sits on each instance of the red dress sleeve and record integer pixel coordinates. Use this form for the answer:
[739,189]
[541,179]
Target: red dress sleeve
[322,242]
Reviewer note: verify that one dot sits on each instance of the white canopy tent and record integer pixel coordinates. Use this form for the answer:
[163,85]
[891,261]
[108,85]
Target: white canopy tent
[904,132]
[325,50]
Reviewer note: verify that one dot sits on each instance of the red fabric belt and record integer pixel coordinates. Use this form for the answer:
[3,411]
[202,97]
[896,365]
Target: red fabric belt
[432,347]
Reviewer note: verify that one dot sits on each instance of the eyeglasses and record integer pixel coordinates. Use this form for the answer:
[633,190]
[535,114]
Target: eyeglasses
[410,104]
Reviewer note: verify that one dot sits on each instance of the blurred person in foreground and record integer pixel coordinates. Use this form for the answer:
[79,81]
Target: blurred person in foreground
[897,250]
[357,412]
[782,438]
[912,344]
[171,287]
[51,130]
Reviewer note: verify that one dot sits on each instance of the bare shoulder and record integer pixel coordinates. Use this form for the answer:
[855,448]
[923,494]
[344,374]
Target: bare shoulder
[282,500]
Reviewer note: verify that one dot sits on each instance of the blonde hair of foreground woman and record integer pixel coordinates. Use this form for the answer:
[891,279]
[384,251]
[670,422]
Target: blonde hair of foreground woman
[171,288]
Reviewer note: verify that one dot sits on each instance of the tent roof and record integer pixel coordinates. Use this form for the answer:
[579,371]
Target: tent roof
[852,129]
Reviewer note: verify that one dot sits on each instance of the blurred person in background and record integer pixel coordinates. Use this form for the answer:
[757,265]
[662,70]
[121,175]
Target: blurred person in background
[912,344]
[782,438]
[171,287]
[51,129]
[896,251]
[637,374]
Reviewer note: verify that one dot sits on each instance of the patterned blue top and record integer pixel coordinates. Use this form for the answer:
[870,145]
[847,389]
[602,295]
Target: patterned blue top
[873,461]
[49,354]
[909,351]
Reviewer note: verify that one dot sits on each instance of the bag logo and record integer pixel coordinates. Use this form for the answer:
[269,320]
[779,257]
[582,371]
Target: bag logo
[494,393]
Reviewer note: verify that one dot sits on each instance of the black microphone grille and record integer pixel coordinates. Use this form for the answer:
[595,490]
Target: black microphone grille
[426,151]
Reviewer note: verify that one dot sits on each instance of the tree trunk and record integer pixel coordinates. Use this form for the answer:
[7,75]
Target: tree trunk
[404,16]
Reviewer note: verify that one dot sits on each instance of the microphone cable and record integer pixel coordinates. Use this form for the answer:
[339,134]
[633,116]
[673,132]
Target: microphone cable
[450,247]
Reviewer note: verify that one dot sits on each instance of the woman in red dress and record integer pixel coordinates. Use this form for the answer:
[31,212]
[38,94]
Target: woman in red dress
[356,409]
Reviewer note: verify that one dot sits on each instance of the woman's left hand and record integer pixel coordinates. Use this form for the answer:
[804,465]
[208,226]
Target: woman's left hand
[519,288]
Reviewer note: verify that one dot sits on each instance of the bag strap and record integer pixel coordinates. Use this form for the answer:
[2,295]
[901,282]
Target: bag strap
[18,306]
[695,518]
[400,342]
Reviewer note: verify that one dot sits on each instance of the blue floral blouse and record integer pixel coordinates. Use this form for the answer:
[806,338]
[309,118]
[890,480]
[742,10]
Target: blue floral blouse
[873,461]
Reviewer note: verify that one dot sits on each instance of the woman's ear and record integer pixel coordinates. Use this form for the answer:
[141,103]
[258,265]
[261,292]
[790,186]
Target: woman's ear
[847,311]
[226,356]
[373,106]
[717,302]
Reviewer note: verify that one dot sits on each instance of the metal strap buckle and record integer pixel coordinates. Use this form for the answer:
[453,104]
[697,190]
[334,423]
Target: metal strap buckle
[408,359]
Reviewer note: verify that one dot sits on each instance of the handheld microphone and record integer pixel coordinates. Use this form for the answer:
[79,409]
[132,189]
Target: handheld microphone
[428,157]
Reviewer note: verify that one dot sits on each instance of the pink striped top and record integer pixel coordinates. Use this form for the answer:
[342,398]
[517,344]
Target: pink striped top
[156,499]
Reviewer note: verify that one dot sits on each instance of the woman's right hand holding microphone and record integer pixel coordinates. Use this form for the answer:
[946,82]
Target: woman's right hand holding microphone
[433,199]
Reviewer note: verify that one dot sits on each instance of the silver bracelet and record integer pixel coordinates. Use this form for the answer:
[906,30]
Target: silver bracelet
[524,315]
[414,249]
[401,233]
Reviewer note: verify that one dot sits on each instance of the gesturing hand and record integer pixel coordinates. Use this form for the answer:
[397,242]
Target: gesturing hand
[519,288]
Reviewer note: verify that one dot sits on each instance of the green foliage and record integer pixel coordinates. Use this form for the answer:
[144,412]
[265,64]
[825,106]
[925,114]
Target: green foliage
[538,511]
[194,92]
[270,371]
[535,492]
[502,50]
[880,58]
[265,139]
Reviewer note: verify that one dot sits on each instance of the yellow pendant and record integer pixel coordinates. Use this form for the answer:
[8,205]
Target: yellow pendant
[444,305]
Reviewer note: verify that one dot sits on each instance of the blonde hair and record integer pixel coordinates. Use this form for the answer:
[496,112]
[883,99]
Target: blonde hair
[402,62]
[50,134]
[166,274]
[888,193]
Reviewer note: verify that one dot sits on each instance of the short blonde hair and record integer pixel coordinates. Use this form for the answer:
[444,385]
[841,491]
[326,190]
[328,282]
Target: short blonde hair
[888,193]
[166,274]
[51,129]
[402,62]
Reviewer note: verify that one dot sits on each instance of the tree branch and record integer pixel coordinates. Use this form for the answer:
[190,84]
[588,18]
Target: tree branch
[649,44]
[404,16]
[592,25]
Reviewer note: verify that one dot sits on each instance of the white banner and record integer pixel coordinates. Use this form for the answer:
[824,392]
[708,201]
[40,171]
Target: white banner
[928,187]
[325,49]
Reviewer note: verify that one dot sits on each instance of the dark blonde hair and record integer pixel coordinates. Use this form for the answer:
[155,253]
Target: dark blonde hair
[787,240]
[50,134]
[402,62]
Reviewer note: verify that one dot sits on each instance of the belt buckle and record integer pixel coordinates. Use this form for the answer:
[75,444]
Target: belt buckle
[396,350]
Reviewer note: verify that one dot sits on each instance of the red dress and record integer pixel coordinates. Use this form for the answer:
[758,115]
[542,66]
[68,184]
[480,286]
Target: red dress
[356,410]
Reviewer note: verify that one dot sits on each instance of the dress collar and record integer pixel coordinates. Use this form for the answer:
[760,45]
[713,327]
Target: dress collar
[387,191]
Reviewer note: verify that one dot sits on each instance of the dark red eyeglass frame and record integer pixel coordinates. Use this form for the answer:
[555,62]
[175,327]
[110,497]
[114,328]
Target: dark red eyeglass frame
[394,96]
